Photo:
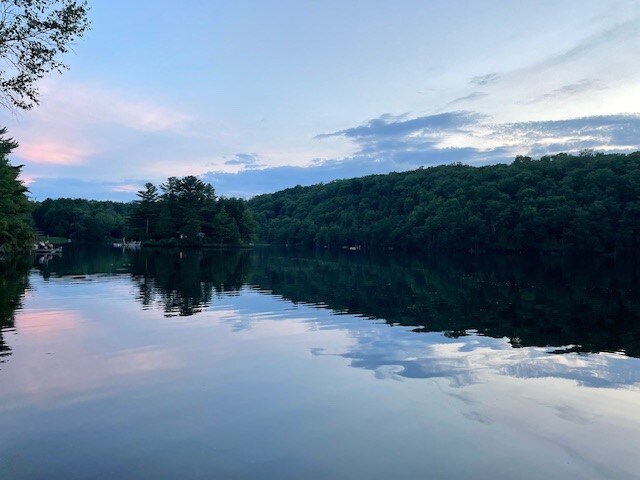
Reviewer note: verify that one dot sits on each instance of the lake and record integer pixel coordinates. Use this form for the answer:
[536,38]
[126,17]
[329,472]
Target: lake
[276,364]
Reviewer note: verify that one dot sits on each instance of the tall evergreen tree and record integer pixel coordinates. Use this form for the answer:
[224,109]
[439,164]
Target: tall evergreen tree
[188,211]
[15,229]
[144,215]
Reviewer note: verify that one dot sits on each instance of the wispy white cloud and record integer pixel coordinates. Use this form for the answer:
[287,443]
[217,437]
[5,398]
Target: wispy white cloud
[126,188]
[467,98]
[570,90]
[98,132]
[589,70]
[246,160]
[402,143]
[601,41]
[416,139]
[83,105]
[482,80]
[390,143]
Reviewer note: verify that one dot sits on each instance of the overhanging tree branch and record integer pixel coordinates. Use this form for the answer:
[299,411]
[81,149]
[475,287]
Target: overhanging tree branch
[33,36]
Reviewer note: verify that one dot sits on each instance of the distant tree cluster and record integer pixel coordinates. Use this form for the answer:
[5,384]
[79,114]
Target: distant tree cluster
[15,219]
[580,202]
[187,211]
[184,211]
[78,219]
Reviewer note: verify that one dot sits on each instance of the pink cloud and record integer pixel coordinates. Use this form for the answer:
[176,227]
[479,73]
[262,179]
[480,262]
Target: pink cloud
[76,106]
[52,153]
[27,179]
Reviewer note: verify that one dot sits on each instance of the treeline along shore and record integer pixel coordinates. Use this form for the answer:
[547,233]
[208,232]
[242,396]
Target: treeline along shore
[182,212]
[587,202]
[561,203]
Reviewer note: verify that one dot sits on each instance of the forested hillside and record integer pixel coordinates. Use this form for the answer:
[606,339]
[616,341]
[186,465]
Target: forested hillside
[561,202]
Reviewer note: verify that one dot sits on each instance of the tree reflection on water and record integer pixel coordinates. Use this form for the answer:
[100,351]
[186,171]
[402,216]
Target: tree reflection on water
[14,280]
[584,304]
[590,304]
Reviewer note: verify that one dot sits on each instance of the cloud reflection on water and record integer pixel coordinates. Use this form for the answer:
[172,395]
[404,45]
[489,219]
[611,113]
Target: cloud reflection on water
[399,353]
[284,357]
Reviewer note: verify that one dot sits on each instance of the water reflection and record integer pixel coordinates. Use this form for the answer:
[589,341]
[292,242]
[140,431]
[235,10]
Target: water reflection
[557,305]
[483,309]
[276,364]
[472,359]
[590,305]
[179,282]
[13,283]
[184,283]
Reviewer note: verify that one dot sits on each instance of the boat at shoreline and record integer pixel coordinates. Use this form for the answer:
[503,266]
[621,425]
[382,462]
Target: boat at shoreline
[47,251]
[130,245]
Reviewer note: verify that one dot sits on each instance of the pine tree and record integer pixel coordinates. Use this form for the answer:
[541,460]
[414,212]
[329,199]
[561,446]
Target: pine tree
[15,224]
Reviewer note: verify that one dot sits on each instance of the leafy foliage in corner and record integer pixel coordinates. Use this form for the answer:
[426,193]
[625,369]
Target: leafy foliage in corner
[187,211]
[15,221]
[33,34]
[580,202]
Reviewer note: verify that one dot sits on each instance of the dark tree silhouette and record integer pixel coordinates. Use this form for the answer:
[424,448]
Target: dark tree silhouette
[15,222]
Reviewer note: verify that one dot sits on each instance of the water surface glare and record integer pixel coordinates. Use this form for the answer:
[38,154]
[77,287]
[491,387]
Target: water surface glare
[264,364]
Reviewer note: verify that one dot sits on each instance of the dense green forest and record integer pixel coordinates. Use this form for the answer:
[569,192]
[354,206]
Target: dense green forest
[78,219]
[580,202]
[185,211]
[15,221]
[562,202]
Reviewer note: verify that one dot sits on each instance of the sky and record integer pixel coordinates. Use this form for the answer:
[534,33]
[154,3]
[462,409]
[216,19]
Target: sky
[257,96]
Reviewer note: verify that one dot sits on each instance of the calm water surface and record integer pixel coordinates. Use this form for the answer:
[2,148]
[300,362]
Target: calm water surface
[285,365]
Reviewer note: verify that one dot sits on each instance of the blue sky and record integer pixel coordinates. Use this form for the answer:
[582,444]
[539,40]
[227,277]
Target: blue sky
[255,96]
